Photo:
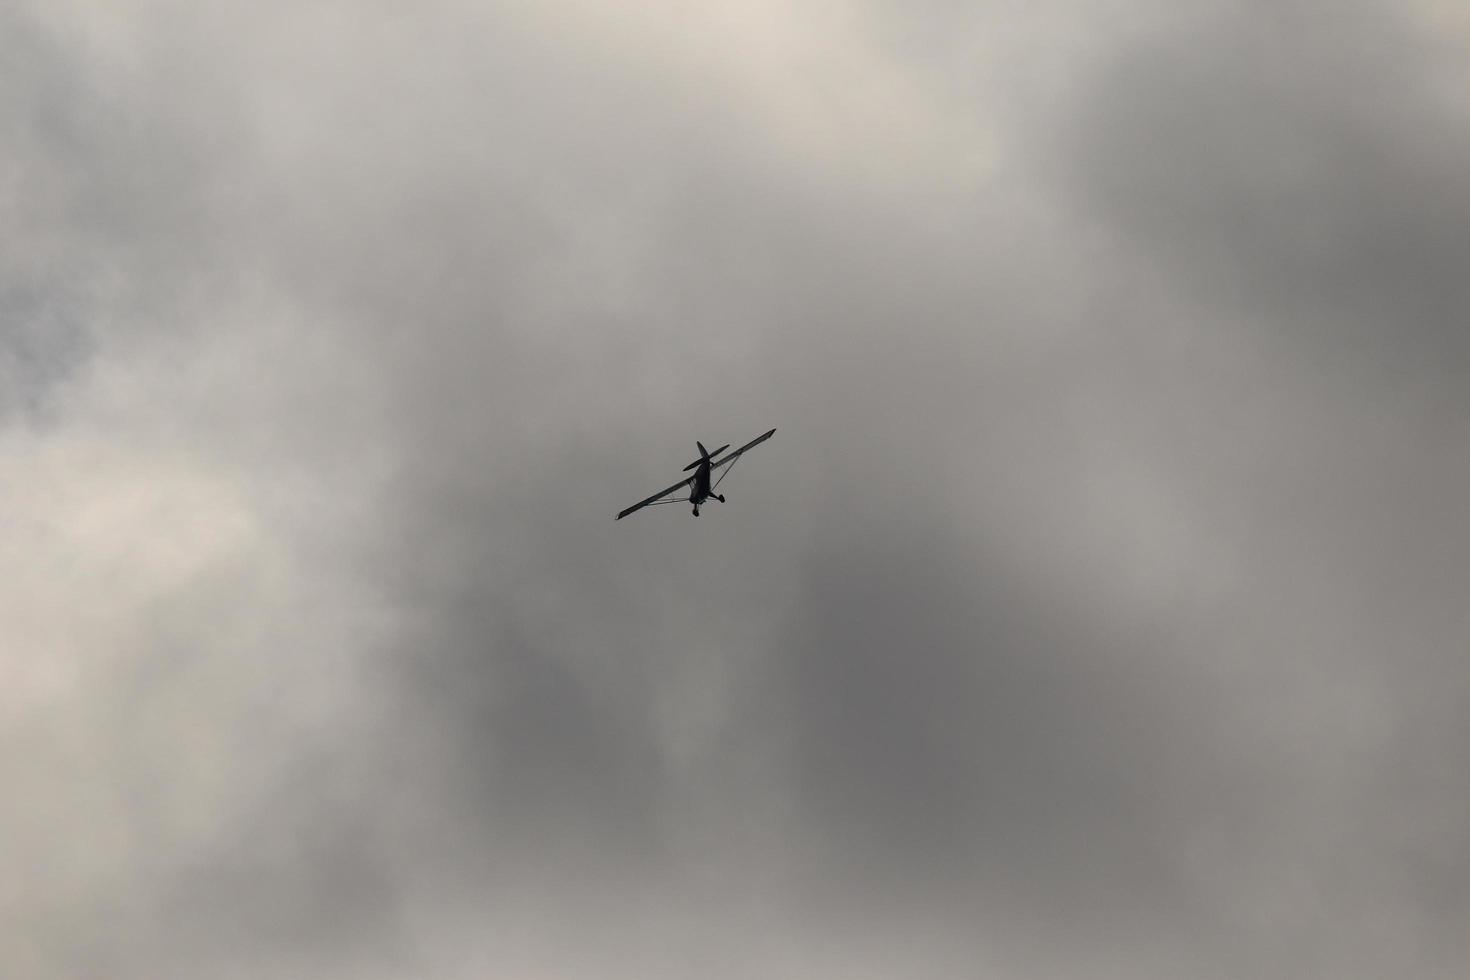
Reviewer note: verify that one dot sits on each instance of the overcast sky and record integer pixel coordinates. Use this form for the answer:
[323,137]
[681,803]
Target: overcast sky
[1099,609]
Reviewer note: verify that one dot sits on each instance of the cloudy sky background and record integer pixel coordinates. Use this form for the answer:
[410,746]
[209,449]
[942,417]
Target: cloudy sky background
[1097,611]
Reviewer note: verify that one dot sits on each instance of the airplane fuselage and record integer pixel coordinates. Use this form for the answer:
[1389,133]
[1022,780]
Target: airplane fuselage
[699,490]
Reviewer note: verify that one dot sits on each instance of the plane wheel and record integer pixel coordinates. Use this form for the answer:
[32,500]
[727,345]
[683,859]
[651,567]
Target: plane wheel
[696,513]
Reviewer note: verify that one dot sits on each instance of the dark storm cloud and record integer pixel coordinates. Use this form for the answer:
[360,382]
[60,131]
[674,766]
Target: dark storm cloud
[1301,162]
[1294,178]
[1094,608]
[39,332]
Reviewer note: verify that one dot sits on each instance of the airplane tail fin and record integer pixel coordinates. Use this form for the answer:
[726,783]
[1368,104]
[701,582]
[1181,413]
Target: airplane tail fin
[705,455]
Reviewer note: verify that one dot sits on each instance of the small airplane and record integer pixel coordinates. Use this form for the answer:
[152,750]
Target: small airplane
[700,488]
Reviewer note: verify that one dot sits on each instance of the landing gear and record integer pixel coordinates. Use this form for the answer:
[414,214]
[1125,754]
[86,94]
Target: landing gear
[720,497]
[696,512]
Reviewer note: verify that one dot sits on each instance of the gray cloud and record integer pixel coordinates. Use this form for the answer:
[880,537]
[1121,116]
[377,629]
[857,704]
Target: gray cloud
[1094,610]
[1310,177]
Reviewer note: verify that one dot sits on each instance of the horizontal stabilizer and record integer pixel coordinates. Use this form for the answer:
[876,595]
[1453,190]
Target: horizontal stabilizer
[706,457]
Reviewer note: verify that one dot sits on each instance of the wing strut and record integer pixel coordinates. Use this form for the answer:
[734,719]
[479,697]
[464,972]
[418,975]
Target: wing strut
[656,497]
[727,471]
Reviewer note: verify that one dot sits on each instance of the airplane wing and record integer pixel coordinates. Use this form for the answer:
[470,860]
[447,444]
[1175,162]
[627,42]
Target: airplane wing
[657,498]
[736,454]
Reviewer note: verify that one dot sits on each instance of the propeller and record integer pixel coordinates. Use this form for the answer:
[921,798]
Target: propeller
[704,455]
